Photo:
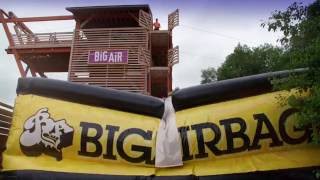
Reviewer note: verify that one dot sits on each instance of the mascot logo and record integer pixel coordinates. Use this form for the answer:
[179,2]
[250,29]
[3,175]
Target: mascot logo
[42,134]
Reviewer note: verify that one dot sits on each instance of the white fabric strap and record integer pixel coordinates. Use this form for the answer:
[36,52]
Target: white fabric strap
[168,142]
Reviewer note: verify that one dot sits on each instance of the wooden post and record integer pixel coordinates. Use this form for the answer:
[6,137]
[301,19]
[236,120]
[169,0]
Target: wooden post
[75,36]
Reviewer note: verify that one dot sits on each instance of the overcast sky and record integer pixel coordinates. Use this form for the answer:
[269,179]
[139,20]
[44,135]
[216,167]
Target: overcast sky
[209,30]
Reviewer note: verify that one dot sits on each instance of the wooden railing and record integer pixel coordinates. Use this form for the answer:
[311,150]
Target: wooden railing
[173,56]
[55,39]
[5,123]
[145,20]
[173,19]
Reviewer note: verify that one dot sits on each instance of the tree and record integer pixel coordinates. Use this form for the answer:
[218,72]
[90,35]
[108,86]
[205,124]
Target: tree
[208,75]
[300,26]
[246,61]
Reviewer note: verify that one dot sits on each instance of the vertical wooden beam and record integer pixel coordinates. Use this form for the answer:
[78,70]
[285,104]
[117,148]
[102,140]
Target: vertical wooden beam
[75,35]
[11,43]
[149,81]
[170,80]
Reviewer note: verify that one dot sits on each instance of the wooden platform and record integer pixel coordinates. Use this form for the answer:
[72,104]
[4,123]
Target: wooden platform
[43,52]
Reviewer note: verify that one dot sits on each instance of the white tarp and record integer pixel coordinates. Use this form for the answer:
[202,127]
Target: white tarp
[168,143]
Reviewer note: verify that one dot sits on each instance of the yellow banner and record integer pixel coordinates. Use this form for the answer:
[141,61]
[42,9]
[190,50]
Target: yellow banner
[237,136]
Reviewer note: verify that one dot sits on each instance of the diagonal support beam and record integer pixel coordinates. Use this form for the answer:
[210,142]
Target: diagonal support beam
[134,17]
[42,75]
[11,43]
[22,26]
[27,70]
[86,21]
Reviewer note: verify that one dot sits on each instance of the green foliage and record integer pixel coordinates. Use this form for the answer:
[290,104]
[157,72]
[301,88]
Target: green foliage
[208,75]
[246,61]
[287,21]
[300,26]
[300,42]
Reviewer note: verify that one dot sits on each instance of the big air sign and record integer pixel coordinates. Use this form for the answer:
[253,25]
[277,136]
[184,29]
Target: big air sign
[110,56]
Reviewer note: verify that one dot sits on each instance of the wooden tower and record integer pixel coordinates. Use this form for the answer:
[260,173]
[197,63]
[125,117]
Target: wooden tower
[111,46]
